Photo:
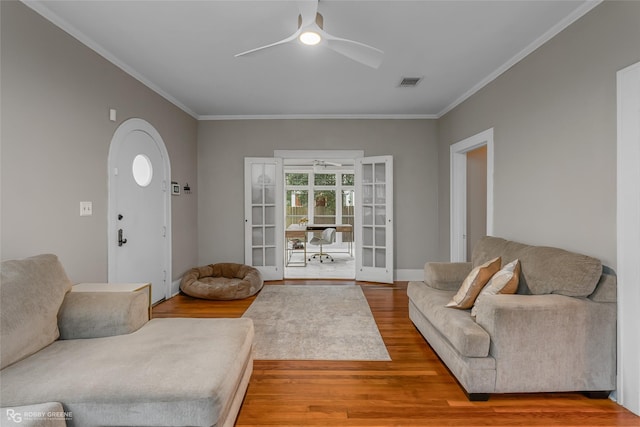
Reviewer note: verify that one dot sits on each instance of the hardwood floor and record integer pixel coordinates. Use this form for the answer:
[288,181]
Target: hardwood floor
[414,389]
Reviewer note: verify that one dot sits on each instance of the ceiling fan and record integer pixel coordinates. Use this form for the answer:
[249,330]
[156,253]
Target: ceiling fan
[310,32]
[320,166]
[325,163]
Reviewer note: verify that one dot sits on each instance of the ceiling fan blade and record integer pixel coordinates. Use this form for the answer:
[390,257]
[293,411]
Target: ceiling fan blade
[360,52]
[283,41]
[308,11]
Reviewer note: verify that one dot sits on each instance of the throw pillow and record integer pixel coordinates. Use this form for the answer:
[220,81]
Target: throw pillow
[504,281]
[473,284]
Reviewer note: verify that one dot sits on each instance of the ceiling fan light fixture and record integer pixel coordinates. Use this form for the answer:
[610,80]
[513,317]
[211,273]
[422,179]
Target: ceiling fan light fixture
[310,38]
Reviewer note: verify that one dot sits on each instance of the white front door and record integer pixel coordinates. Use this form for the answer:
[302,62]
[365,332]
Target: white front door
[264,221]
[374,219]
[139,208]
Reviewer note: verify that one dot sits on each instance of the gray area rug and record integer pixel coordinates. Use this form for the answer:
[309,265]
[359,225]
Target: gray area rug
[309,322]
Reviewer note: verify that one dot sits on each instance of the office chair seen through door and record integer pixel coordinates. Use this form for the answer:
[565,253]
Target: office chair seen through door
[327,237]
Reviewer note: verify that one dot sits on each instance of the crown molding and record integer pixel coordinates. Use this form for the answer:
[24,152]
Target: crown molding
[320,117]
[40,8]
[551,33]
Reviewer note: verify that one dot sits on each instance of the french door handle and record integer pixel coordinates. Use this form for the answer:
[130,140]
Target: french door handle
[121,241]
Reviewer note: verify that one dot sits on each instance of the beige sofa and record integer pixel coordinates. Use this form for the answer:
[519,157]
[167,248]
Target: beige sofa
[99,356]
[557,333]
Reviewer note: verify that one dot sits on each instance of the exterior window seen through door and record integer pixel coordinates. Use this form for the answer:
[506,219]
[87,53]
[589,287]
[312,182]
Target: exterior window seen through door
[321,198]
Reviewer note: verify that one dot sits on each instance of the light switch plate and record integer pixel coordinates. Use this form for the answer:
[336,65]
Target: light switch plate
[86,209]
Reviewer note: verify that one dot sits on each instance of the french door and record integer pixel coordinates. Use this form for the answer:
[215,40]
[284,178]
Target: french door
[264,221]
[374,219]
[264,231]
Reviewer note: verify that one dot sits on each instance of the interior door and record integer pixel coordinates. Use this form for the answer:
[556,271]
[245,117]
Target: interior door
[139,208]
[374,219]
[264,230]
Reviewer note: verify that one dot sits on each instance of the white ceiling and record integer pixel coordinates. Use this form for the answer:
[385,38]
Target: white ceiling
[185,51]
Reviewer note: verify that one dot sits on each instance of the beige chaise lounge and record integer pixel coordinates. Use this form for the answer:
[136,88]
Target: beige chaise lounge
[99,356]
[557,333]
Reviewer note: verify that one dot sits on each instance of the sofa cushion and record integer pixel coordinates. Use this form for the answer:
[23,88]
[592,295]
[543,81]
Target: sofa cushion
[473,284]
[504,281]
[544,270]
[446,276]
[142,378]
[457,326]
[607,288]
[31,293]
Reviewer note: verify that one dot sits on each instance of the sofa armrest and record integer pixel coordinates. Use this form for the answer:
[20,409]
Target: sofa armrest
[446,276]
[102,314]
[550,342]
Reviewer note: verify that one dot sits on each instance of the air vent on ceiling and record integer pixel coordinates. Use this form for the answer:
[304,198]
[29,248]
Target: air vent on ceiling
[410,81]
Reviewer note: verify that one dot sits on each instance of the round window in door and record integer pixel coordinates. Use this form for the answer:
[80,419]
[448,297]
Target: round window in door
[142,170]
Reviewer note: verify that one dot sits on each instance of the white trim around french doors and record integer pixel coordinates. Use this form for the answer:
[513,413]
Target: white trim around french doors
[374,263]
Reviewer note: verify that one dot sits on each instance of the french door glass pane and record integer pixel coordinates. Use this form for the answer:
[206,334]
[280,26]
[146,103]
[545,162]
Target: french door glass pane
[367,257]
[380,171]
[381,257]
[269,237]
[380,193]
[270,215]
[257,237]
[256,215]
[380,215]
[367,194]
[269,180]
[367,173]
[367,215]
[269,256]
[380,236]
[256,256]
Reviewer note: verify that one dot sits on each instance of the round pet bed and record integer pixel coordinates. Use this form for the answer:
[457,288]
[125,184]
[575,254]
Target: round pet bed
[223,281]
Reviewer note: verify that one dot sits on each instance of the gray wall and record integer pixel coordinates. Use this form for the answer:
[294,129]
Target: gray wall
[553,114]
[554,120]
[56,95]
[223,145]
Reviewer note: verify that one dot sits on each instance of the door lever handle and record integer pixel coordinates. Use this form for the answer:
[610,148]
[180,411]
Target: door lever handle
[121,241]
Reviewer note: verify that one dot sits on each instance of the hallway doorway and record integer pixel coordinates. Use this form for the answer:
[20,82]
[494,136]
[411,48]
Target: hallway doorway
[459,242]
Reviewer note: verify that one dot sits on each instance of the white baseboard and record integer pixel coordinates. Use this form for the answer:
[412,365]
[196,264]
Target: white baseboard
[407,274]
[401,275]
[175,287]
